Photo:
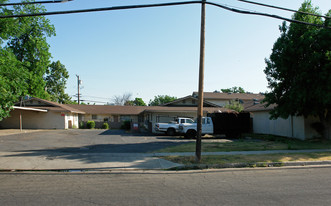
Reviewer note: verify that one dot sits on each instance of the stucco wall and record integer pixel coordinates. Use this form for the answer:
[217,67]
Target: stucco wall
[99,117]
[35,120]
[74,120]
[111,118]
[290,127]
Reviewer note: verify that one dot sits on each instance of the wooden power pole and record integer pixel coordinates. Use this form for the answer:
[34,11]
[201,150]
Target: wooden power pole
[78,83]
[201,78]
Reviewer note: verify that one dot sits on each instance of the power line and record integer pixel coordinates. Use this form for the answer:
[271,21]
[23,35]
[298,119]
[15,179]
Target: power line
[35,2]
[285,9]
[161,5]
[267,15]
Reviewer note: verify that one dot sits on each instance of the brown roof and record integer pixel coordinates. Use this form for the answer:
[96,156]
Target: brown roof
[186,109]
[190,97]
[109,109]
[52,106]
[230,96]
[135,110]
[259,107]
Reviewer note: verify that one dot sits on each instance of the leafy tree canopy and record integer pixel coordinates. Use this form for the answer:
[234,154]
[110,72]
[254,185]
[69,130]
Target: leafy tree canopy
[161,99]
[26,37]
[56,79]
[235,105]
[299,68]
[24,56]
[136,102]
[234,90]
[12,84]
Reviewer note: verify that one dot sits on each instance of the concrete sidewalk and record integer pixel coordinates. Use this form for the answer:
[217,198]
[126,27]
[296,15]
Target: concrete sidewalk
[108,161]
[88,161]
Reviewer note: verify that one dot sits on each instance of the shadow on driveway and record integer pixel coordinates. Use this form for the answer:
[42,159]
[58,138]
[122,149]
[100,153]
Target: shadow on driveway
[125,133]
[96,153]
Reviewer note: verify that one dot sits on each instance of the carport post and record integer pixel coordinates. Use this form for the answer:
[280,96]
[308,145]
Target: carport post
[201,77]
[21,121]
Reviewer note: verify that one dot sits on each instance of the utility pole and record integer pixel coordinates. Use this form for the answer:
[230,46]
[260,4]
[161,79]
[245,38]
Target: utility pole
[78,83]
[201,77]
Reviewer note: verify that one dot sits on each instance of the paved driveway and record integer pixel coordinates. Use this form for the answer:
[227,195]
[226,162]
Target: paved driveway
[86,141]
[82,149]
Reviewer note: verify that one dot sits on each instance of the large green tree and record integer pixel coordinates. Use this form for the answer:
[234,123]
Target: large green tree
[56,80]
[299,69]
[161,99]
[27,40]
[12,84]
[25,57]
[12,74]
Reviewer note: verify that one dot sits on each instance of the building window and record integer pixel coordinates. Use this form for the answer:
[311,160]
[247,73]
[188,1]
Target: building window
[193,101]
[94,116]
[125,118]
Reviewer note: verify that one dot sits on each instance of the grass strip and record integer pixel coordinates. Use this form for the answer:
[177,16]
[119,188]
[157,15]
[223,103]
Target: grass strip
[258,144]
[228,159]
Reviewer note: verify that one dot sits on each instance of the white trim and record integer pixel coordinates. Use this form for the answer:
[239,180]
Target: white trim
[30,109]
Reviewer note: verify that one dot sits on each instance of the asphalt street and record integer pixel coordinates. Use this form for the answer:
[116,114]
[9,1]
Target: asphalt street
[267,186]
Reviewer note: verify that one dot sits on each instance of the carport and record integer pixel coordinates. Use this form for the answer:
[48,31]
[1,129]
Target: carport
[26,109]
[41,114]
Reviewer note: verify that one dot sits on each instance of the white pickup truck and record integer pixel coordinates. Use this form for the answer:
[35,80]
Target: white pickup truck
[172,127]
[190,129]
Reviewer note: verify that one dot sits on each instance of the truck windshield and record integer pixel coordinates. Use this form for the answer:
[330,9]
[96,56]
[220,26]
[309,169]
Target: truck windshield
[190,121]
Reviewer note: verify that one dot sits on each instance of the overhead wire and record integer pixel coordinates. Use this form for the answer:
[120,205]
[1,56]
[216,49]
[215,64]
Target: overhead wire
[267,15]
[285,9]
[35,2]
[161,5]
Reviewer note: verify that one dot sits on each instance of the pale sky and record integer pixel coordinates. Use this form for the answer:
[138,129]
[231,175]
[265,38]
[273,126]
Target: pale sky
[155,51]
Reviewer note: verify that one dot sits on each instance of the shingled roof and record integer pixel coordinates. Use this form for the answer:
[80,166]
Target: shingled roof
[259,107]
[48,105]
[135,110]
[230,96]
[109,109]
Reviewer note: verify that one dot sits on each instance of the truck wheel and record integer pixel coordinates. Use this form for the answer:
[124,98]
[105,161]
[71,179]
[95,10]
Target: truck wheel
[191,133]
[171,131]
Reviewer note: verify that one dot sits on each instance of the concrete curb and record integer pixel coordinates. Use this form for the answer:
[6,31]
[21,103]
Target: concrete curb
[238,152]
[251,165]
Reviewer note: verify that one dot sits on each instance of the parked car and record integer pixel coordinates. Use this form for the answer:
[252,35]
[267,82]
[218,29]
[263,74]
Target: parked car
[172,127]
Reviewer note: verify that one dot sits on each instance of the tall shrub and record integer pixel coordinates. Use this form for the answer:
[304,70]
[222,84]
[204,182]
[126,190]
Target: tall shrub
[90,125]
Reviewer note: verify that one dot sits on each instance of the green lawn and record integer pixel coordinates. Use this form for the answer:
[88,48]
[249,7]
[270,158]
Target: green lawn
[252,143]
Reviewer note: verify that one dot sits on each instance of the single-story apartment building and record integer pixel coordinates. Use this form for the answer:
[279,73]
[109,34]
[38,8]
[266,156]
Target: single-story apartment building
[36,113]
[144,117]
